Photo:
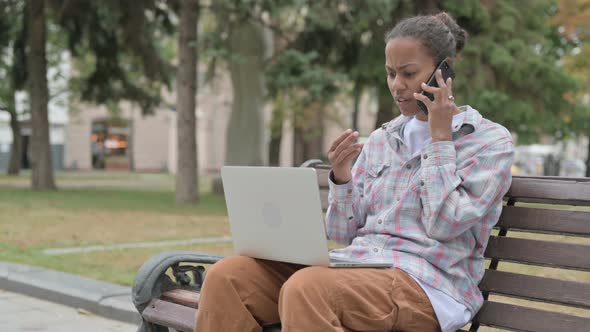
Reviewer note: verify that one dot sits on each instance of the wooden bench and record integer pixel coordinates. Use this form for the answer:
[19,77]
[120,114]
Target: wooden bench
[541,226]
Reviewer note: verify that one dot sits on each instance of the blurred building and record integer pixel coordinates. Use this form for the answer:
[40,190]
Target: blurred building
[133,141]
[57,115]
[94,140]
[58,120]
[557,159]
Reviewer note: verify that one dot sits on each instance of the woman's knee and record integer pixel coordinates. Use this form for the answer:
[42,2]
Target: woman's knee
[308,300]
[313,281]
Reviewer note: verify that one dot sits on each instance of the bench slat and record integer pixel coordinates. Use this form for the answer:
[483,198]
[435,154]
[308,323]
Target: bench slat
[536,252]
[552,177]
[183,297]
[548,190]
[170,314]
[537,288]
[179,316]
[519,318]
[546,220]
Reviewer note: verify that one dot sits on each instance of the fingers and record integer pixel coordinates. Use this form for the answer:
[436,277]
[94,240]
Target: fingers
[440,93]
[450,86]
[348,154]
[429,88]
[343,147]
[422,98]
[439,80]
[346,142]
[339,140]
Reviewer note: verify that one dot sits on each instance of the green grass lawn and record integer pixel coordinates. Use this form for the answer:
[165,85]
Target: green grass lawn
[113,199]
[117,266]
[32,221]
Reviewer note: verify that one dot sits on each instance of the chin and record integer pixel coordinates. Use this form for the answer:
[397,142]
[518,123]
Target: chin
[409,111]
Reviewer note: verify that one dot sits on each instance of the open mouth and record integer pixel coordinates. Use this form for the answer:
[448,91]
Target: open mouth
[403,101]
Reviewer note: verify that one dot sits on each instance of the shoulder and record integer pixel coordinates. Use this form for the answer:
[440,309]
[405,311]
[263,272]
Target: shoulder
[377,138]
[486,130]
[495,132]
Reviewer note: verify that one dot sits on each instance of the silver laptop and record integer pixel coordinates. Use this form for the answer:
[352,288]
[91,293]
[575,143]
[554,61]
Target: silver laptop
[275,213]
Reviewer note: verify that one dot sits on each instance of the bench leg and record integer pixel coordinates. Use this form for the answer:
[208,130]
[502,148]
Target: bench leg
[150,327]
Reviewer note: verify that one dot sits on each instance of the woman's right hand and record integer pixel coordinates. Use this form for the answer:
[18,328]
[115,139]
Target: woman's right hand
[342,151]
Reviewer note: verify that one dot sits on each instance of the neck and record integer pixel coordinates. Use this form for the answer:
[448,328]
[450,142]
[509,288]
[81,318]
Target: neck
[423,117]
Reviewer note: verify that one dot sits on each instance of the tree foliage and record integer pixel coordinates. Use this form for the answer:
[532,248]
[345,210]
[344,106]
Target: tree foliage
[117,50]
[510,69]
[572,20]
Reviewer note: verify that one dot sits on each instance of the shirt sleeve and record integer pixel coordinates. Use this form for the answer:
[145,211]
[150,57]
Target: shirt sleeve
[346,211]
[455,199]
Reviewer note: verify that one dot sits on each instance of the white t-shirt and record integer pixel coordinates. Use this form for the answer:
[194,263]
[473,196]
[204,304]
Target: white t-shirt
[417,133]
[451,314]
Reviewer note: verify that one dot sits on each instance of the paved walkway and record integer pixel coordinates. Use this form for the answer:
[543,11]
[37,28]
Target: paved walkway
[101,298]
[22,313]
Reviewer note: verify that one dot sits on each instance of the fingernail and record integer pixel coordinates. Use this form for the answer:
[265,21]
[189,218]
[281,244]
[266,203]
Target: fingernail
[356,133]
[348,131]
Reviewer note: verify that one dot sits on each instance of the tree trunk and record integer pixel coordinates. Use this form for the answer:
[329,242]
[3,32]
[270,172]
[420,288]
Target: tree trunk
[298,146]
[245,132]
[186,175]
[131,142]
[308,134]
[42,178]
[356,101]
[276,132]
[385,105]
[314,133]
[16,148]
[588,159]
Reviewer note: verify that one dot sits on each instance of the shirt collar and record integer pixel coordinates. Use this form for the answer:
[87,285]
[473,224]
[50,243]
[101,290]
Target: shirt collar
[394,128]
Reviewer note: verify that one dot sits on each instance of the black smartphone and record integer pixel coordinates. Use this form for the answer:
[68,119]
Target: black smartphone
[446,72]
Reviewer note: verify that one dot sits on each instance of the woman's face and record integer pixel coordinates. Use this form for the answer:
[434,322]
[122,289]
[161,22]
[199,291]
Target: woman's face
[408,64]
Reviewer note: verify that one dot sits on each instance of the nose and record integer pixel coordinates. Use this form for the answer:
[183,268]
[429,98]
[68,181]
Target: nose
[396,84]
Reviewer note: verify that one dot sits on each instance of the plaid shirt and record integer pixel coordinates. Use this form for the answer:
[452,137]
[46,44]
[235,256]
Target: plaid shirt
[430,215]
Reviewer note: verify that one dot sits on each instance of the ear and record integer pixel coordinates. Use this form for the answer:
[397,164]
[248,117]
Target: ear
[450,61]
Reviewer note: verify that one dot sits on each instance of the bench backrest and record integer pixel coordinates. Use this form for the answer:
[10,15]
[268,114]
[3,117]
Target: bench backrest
[543,242]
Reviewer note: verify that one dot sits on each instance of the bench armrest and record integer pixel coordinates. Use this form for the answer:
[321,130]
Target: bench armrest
[151,280]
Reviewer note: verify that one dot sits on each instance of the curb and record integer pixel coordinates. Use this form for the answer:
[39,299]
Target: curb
[101,298]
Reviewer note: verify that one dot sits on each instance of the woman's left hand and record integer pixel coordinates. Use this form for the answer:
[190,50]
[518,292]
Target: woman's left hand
[441,109]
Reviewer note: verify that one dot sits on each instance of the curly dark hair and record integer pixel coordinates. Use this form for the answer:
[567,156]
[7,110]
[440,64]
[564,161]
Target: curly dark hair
[439,33]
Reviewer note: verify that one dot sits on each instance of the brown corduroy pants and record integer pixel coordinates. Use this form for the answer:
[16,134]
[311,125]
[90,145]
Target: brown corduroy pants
[241,293]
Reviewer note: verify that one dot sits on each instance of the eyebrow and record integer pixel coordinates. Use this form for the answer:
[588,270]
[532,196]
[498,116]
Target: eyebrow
[402,66]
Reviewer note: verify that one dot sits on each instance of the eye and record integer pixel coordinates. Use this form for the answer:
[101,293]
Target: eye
[410,75]
[391,74]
